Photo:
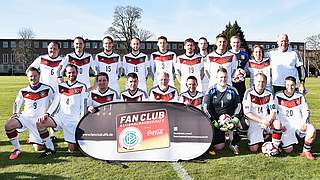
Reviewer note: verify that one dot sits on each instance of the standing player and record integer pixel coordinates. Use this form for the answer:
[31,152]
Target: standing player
[259,108]
[259,64]
[65,112]
[203,51]
[294,116]
[242,57]
[109,62]
[286,62]
[133,93]
[223,99]
[163,91]
[102,94]
[189,64]
[36,98]
[137,62]
[49,65]
[192,96]
[163,60]
[220,58]
[82,60]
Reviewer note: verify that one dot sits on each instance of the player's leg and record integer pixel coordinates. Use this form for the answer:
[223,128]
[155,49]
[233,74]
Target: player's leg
[34,136]
[308,141]
[218,142]
[43,126]
[255,136]
[276,133]
[254,147]
[11,127]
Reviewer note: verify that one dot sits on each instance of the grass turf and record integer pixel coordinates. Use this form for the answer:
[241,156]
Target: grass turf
[224,165]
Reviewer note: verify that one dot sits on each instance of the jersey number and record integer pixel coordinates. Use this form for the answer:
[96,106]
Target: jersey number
[260,110]
[163,66]
[80,70]
[135,69]
[108,68]
[289,113]
[35,105]
[52,72]
[67,101]
[191,70]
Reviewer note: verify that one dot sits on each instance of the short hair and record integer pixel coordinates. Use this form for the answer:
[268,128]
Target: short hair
[72,66]
[108,37]
[33,69]
[164,73]
[136,39]
[193,78]
[162,37]
[258,46]
[235,37]
[132,75]
[189,40]
[291,78]
[222,69]
[79,37]
[102,74]
[221,36]
[261,74]
[56,43]
[203,38]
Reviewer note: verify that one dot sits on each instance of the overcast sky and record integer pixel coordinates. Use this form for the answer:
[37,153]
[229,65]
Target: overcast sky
[176,19]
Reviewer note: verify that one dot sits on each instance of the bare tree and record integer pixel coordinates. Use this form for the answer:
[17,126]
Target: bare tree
[313,52]
[24,52]
[125,25]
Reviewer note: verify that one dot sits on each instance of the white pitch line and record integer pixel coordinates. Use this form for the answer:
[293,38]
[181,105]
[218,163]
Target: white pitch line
[182,173]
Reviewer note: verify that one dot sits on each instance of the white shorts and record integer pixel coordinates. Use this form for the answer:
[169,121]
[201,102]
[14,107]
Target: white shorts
[255,133]
[289,136]
[29,122]
[68,124]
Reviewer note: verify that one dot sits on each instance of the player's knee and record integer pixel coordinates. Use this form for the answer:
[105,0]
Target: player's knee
[11,124]
[38,147]
[72,147]
[276,124]
[254,148]
[219,147]
[288,149]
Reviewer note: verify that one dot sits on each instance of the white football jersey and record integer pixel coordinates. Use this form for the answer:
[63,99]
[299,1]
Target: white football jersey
[195,100]
[97,98]
[254,67]
[49,69]
[284,64]
[170,95]
[138,64]
[292,111]
[189,66]
[205,80]
[111,65]
[163,62]
[36,100]
[72,101]
[258,104]
[214,61]
[139,95]
[84,63]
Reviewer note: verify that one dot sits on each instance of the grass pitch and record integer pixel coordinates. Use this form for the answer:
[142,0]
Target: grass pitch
[222,166]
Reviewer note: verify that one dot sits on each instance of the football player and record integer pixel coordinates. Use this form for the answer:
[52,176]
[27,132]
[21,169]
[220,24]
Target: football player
[102,94]
[163,60]
[189,64]
[203,52]
[36,98]
[163,91]
[259,108]
[82,60]
[242,57]
[192,97]
[65,112]
[294,116]
[259,64]
[220,58]
[133,93]
[109,62]
[137,62]
[223,99]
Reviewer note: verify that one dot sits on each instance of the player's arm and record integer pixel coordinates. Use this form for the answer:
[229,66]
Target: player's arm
[35,64]
[17,104]
[61,69]
[305,110]
[90,104]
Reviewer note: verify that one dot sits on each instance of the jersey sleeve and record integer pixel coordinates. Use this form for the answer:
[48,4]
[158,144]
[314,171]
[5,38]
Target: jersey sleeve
[305,110]
[246,103]
[207,105]
[119,66]
[63,66]
[84,104]
[17,103]
[298,58]
[271,105]
[94,65]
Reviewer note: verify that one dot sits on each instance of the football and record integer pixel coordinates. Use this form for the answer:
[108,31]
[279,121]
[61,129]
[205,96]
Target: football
[223,119]
[269,149]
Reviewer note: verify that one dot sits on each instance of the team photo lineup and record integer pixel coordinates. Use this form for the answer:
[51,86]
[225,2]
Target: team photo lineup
[271,111]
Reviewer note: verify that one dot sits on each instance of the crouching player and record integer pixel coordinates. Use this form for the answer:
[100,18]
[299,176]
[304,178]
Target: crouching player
[259,109]
[163,91]
[223,99]
[65,112]
[133,93]
[102,94]
[294,116]
[36,98]
[192,96]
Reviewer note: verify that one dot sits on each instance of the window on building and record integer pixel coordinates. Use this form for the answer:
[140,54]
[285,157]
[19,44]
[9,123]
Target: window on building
[143,46]
[250,46]
[95,45]
[88,46]
[100,45]
[65,45]
[148,45]
[44,44]
[36,44]
[273,46]
[301,48]
[295,47]
[13,44]
[174,46]
[267,46]
[72,45]
[5,44]
[5,58]
[13,57]
[180,46]
[168,46]
[155,46]
[13,61]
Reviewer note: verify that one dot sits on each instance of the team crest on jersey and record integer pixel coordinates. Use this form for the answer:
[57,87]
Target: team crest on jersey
[42,94]
[242,56]
[76,91]
[229,96]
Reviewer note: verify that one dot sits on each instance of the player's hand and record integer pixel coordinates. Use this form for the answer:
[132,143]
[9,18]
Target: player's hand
[43,117]
[91,109]
[302,89]
[60,80]
[303,127]
[14,115]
